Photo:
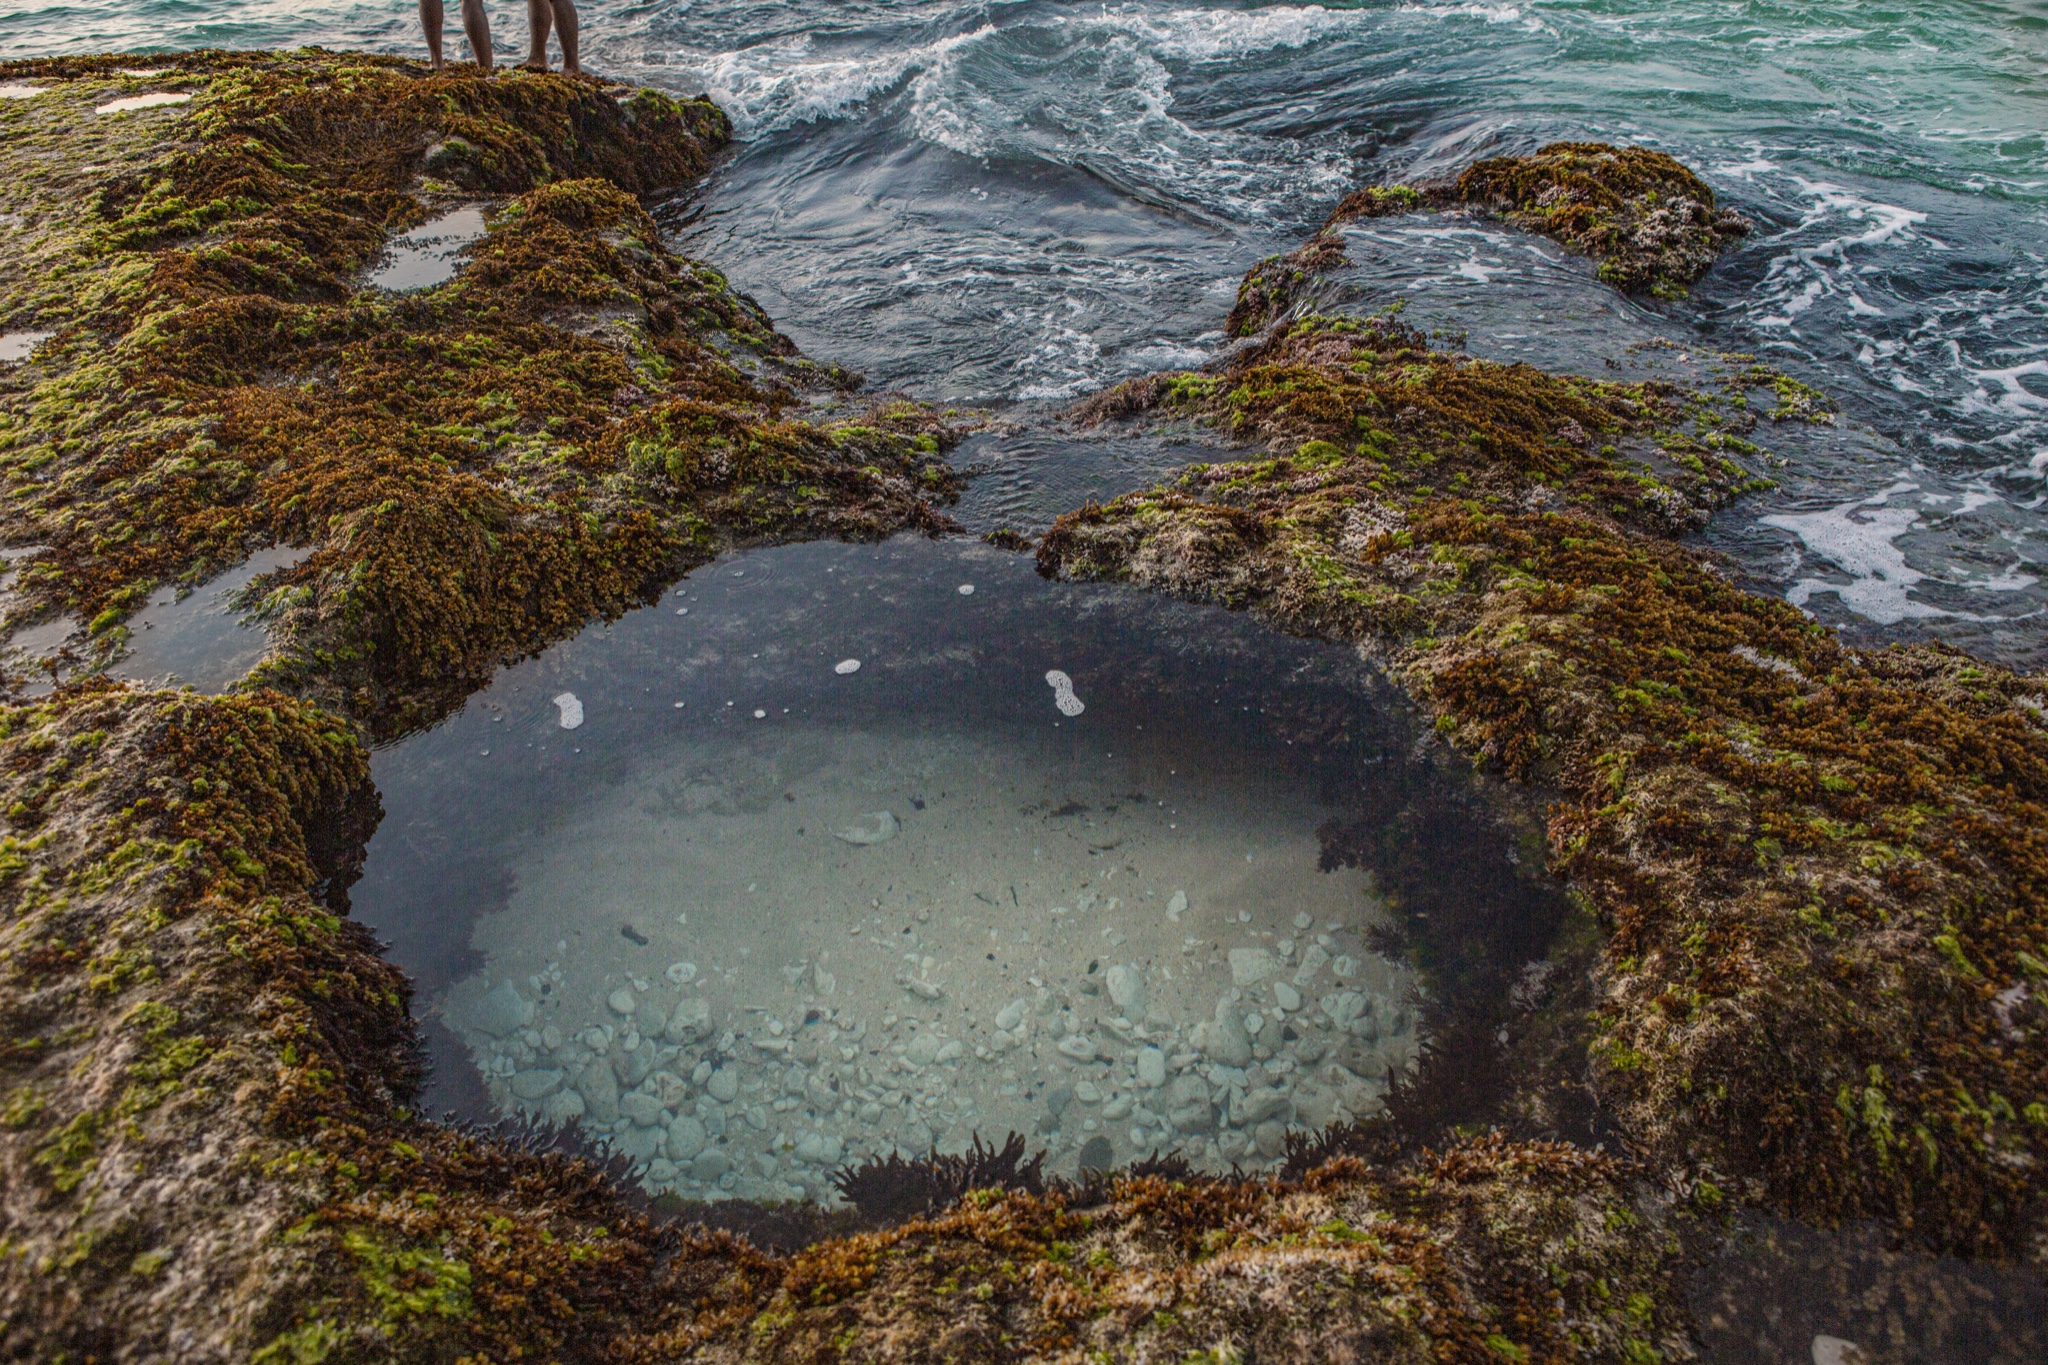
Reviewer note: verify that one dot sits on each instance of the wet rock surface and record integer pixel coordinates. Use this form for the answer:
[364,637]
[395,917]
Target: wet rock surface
[558,419]
[1650,225]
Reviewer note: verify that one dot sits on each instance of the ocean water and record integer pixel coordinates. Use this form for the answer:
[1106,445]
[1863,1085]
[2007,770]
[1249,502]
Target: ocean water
[1016,203]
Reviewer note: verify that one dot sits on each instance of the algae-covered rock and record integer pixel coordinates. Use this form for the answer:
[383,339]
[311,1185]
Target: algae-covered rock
[1651,223]
[480,467]
[1821,870]
[1648,222]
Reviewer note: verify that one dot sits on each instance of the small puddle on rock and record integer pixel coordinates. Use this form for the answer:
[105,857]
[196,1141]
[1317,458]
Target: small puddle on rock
[17,346]
[14,90]
[430,253]
[758,915]
[23,651]
[200,640]
[130,103]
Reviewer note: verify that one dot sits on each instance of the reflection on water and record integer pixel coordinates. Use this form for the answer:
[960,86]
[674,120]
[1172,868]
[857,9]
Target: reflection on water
[759,913]
[429,254]
[200,638]
[18,346]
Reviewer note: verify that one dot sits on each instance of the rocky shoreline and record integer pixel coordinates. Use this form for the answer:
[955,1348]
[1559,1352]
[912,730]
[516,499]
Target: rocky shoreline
[1818,874]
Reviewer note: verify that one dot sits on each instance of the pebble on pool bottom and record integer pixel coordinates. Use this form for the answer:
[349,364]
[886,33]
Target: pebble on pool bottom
[744,1003]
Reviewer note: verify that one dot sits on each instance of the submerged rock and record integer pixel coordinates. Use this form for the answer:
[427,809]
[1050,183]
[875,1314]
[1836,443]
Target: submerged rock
[535,1085]
[1224,1038]
[599,1087]
[501,1011]
[1126,986]
[1249,966]
[689,1022]
[882,833]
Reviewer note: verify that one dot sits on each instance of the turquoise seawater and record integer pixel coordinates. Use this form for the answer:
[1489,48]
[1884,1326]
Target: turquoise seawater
[1019,202]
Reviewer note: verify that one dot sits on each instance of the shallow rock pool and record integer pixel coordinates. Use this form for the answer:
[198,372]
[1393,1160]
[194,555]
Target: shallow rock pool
[845,850]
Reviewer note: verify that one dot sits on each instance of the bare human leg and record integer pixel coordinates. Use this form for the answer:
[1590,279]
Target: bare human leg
[560,17]
[540,18]
[477,25]
[565,33]
[430,20]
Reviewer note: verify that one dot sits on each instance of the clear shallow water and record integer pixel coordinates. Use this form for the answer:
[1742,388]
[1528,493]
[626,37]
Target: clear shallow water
[799,911]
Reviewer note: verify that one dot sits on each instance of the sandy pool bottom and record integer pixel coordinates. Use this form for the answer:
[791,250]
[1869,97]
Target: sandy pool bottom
[776,957]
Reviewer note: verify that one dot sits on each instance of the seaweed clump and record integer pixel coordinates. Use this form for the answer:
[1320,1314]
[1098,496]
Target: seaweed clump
[1649,223]
[1822,873]
[1648,220]
[893,1189]
[480,467]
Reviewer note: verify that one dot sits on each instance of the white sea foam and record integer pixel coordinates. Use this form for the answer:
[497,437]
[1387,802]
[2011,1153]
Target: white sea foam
[775,85]
[1226,35]
[1809,270]
[1492,14]
[2012,396]
[1109,95]
[1862,538]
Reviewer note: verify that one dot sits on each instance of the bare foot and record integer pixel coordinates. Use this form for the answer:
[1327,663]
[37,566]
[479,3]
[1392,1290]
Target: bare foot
[540,65]
[572,69]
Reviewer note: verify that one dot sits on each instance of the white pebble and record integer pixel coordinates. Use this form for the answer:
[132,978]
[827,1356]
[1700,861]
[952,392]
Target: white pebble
[847,666]
[571,710]
[622,1001]
[681,973]
[967,590]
